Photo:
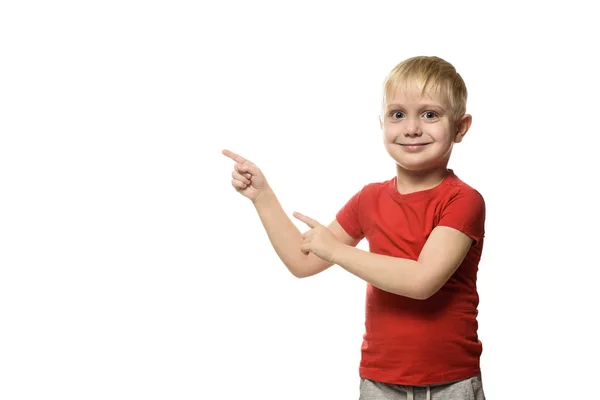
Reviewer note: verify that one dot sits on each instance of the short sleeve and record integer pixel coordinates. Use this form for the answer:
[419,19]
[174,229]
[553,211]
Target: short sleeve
[348,217]
[466,213]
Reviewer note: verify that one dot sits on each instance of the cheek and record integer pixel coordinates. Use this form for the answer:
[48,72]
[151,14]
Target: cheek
[441,133]
[389,133]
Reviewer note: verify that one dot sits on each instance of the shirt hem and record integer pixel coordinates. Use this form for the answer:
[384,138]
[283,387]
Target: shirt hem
[436,379]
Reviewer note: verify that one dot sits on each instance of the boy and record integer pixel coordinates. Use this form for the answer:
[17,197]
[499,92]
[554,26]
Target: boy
[425,229]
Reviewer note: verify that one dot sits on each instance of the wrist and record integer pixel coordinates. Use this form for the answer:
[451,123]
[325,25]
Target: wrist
[337,253]
[265,196]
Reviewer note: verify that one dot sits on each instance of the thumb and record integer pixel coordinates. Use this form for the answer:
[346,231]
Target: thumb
[247,168]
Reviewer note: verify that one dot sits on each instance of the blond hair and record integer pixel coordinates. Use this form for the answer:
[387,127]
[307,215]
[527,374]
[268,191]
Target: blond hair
[426,75]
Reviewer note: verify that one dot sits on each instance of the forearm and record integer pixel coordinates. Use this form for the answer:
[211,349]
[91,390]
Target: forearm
[395,275]
[284,236]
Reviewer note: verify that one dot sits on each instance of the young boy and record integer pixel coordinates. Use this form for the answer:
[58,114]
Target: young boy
[425,229]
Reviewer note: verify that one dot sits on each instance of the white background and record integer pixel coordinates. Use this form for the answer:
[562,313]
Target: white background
[131,269]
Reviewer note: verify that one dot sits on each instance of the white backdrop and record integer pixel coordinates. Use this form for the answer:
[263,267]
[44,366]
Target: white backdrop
[131,269]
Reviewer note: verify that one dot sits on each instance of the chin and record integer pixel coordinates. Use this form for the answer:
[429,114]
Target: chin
[416,162]
[411,165]
[414,167]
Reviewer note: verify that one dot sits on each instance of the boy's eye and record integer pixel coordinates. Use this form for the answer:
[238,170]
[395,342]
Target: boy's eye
[429,114]
[397,114]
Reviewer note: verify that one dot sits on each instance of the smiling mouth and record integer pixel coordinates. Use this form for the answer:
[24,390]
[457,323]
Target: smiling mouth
[413,144]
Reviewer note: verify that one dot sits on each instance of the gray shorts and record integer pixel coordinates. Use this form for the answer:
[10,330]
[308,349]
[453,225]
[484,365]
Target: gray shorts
[466,389]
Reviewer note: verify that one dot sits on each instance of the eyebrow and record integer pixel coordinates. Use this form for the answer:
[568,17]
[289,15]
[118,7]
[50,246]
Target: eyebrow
[426,105]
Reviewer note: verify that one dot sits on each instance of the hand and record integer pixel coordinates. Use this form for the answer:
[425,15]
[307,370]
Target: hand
[247,178]
[319,240]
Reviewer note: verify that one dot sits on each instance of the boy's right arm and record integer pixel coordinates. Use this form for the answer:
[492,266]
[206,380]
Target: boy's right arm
[286,238]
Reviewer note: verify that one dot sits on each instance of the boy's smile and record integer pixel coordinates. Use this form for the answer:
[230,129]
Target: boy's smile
[413,147]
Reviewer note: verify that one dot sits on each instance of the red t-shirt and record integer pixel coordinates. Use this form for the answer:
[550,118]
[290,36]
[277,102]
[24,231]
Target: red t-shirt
[419,342]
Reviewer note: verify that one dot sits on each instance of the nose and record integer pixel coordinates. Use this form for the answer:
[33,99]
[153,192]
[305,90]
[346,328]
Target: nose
[413,129]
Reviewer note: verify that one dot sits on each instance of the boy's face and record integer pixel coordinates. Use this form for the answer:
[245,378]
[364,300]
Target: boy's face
[419,132]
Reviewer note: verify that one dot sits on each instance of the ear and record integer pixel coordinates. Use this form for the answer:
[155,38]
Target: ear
[462,126]
[380,122]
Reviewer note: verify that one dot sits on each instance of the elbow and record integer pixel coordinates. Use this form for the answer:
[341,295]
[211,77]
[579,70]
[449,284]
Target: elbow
[428,290]
[416,292]
[420,294]
[424,294]
[306,268]
[424,288]
[299,272]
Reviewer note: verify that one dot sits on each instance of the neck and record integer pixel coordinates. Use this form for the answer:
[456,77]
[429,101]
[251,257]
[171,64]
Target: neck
[416,181]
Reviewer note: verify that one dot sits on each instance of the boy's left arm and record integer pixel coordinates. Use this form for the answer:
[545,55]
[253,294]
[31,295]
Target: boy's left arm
[442,254]
[461,225]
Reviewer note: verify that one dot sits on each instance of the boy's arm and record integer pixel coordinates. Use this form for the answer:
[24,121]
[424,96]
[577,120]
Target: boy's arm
[442,254]
[286,238]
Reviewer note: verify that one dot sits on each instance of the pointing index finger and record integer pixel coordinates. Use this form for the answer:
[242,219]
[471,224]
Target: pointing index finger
[235,157]
[307,220]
